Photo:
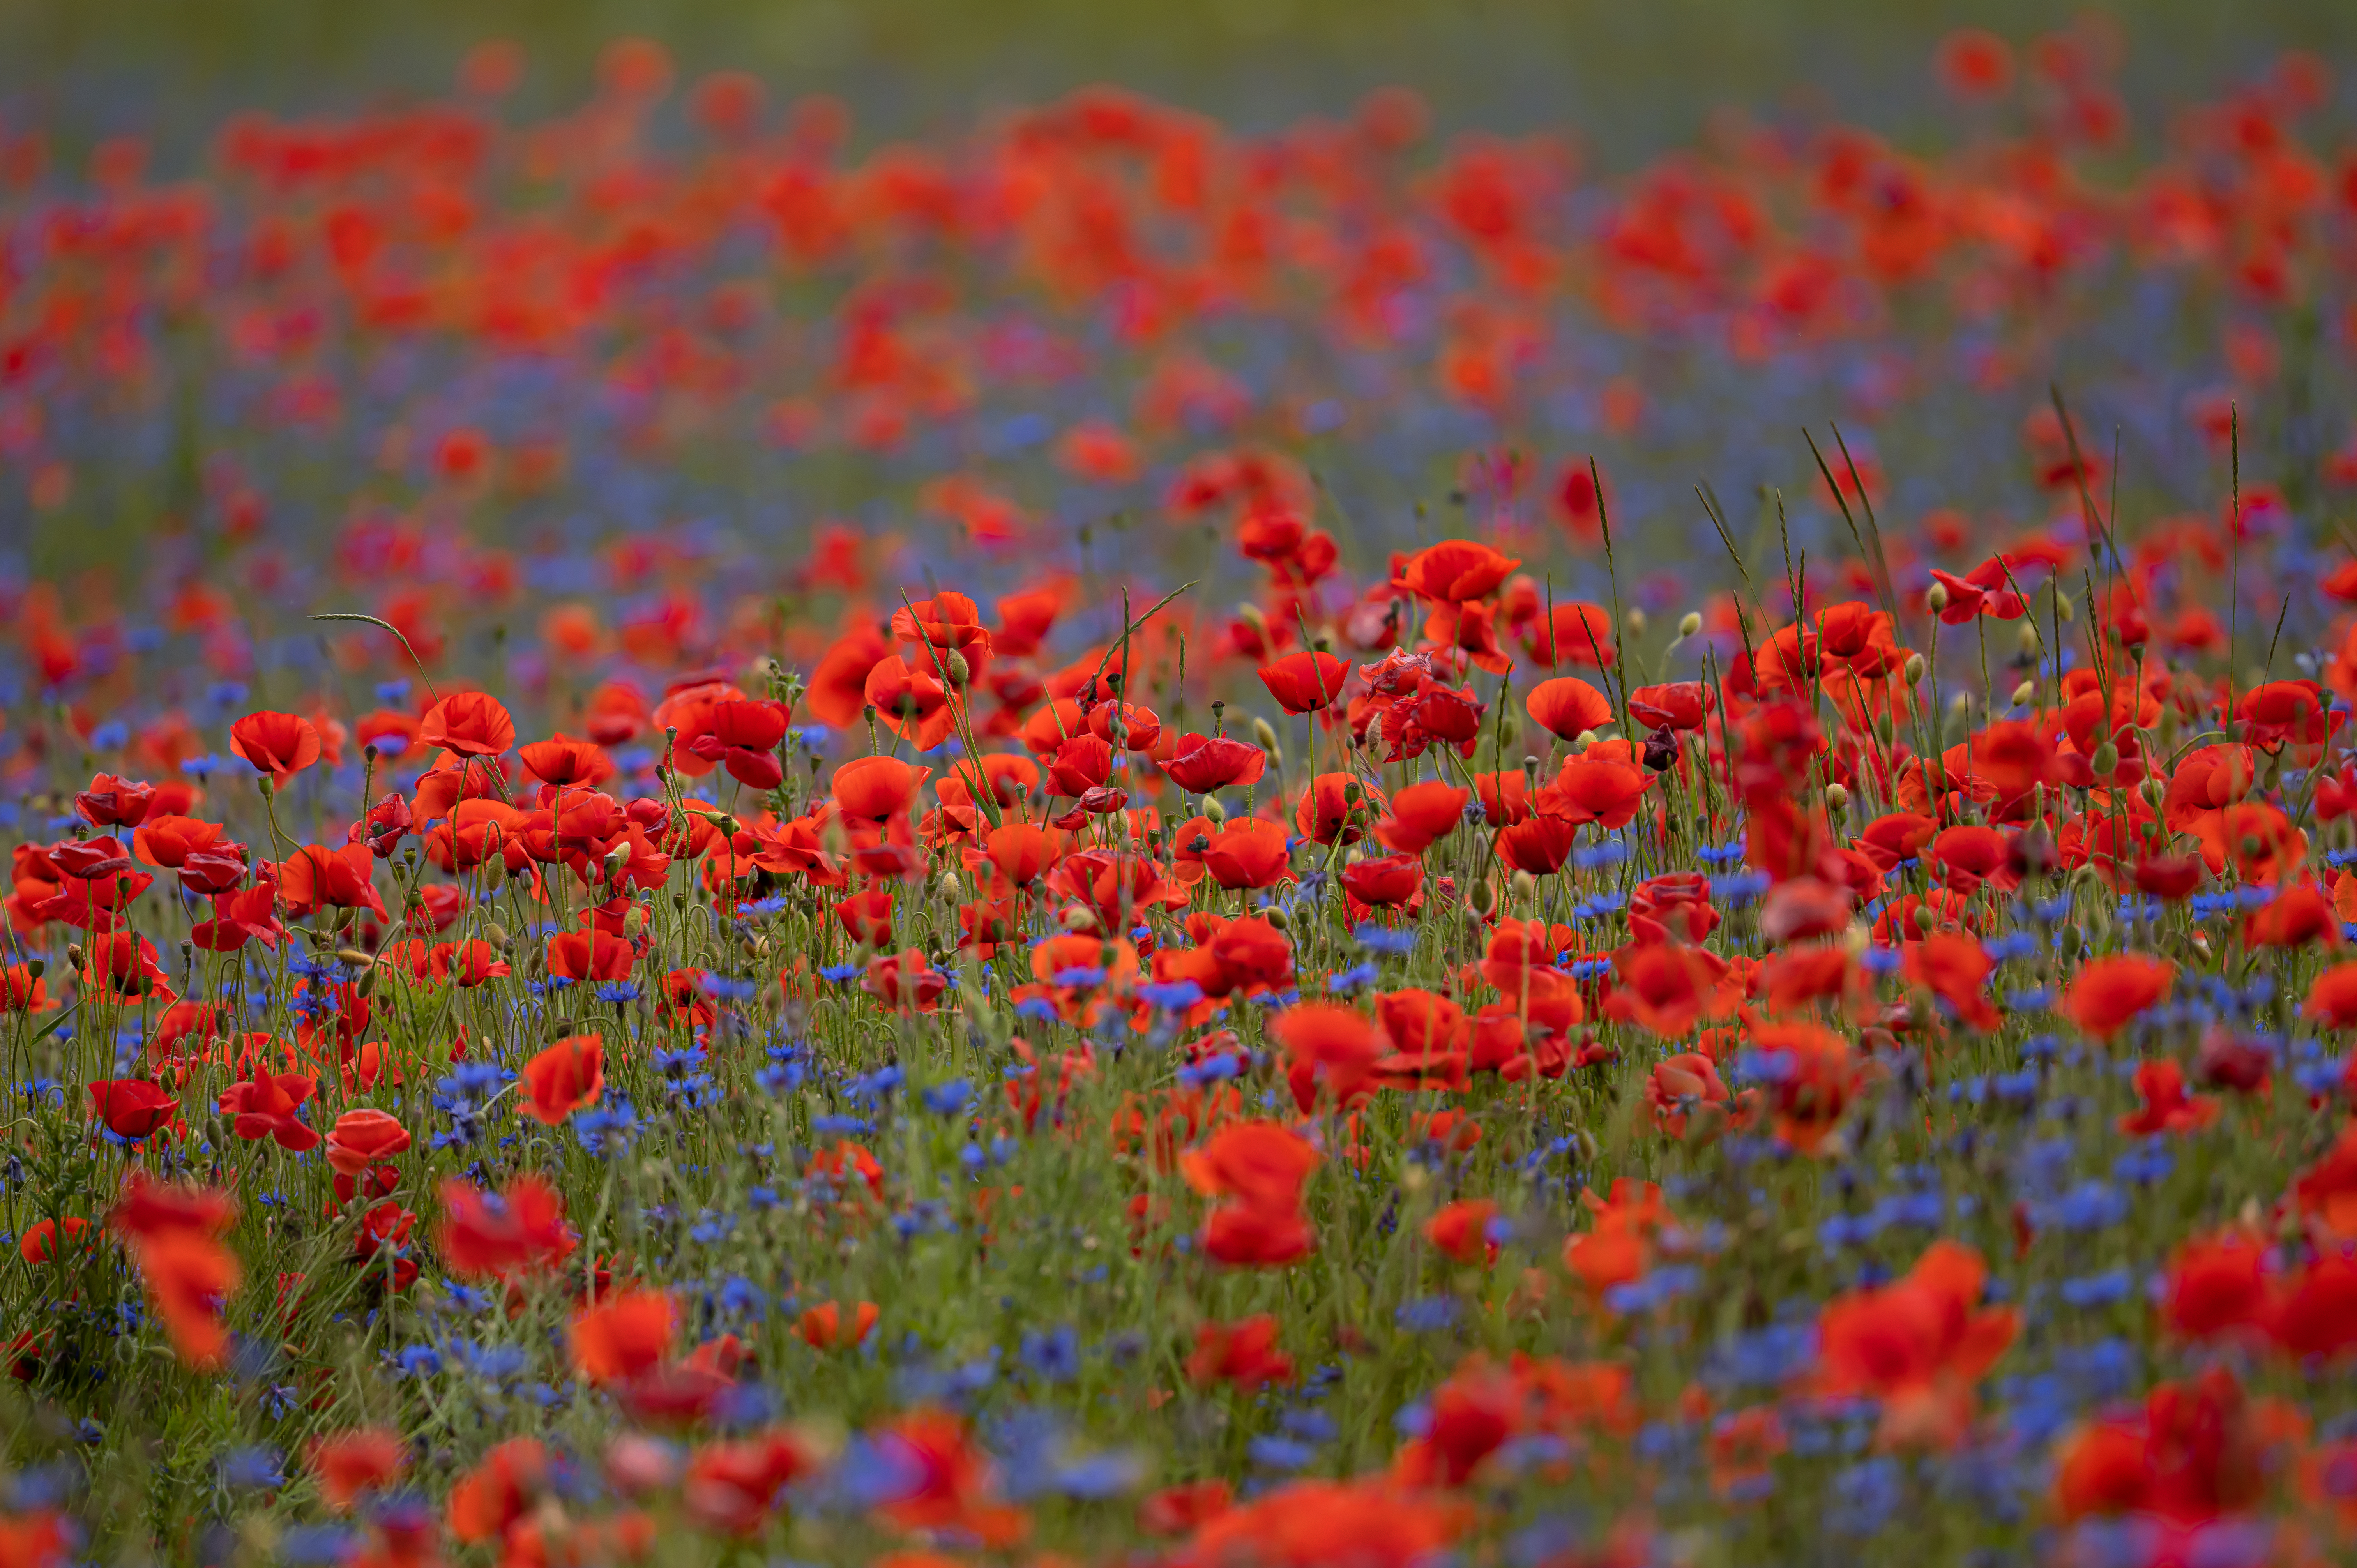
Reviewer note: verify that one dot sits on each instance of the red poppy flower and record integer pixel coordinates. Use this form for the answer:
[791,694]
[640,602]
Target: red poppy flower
[1576,634]
[316,877]
[904,982]
[1918,1345]
[281,745]
[564,761]
[112,802]
[1336,806]
[2110,991]
[519,1231]
[1421,815]
[467,724]
[132,1108]
[590,956]
[1567,705]
[350,1464]
[1594,787]
[498,1491]
[266,1105]
[363,1138]
[567,1076]
[1682,705]
[822,1328]
[625,1334]
[1305,680]
[873,788]
[910,702]
[1200,764]
[1250,852]
[743,739]
[1243,1353]
[1383,882]
[1456,570]
[2166,1107]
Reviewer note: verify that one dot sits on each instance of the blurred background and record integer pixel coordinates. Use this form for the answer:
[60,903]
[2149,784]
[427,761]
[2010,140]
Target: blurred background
[1633,78]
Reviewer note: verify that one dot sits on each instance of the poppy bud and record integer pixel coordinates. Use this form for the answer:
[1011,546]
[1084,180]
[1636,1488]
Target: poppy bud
[960,671]
[74,955]
[1936,598]
[1249,615]
[1636,619]
[1483,899]
[950,889]
[1583,740]
[1837,799]
[2063,607]
[265,784]
[2152,789]
[1526,886]
[35,967]
[1275,917]
[1915,669]
[2106,761]
[2024,693]
[1660,749]
[2029,639]
[1262,733]
[1690,624]
[1212,810]
[497,935]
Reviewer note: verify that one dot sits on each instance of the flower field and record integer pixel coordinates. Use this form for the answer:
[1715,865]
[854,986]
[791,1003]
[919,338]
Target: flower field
[1108,839]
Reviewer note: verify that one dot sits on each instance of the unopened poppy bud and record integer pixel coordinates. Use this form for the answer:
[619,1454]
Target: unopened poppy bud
[354,957]
[1262,733]
[38,967]
[1837,799]
[1915,668]
[1249,615]
[266,785]
[1636,620]
[1275,916]
[1690,623]
[1212,810]
[2024,693]
[951,888]
[1483,899]
[960,671]
[367,983]
[497,935]
[1936,598]
[2152,789]
[1526,886]
[75,956]
[1508,730]
[2106,759]
[2029,638]
[2064,608]
[1583,740]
